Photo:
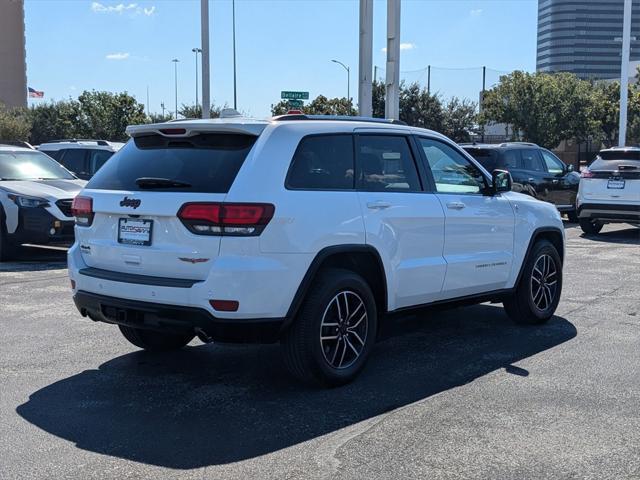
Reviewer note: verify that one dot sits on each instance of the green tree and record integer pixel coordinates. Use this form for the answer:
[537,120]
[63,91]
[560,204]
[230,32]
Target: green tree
[195,111]
[459,117]
[378,96]
[159,118]
[54,120]
[105,115]
[420,108]
[320,105]
[544,108]
[14,124]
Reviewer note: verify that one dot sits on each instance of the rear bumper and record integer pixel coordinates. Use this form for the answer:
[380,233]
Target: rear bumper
[176,319]
[610,212]
[37,225]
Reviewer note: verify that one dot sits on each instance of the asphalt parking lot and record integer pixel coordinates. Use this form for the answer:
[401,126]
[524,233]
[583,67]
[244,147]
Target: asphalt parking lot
[461,393]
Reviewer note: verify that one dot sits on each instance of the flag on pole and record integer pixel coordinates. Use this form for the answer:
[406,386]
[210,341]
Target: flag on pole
[35,93]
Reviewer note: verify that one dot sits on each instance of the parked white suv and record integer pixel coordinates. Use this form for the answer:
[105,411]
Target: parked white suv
[304,230]
[609,190]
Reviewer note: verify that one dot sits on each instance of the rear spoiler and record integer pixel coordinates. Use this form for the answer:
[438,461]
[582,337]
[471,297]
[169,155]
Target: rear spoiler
[182,129]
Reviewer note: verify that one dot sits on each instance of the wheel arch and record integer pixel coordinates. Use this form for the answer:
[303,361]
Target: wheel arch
[553,235]
[361,259]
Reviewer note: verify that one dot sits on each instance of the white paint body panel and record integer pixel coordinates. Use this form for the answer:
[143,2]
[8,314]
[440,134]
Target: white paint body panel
[424,258]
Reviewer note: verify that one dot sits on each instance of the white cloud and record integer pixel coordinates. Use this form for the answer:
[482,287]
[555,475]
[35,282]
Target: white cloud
[403,46]
[475,12]
[117,56]
[121,8]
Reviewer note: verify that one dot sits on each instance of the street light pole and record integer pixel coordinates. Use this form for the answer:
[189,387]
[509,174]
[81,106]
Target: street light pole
[175,65]
[235,98]
[348,77]
[624,73]
[196,50]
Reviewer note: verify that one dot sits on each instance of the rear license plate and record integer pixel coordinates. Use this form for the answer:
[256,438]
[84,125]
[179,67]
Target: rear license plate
[133,231]
[615,183]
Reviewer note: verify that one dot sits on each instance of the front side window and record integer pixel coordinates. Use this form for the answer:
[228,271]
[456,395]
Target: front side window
[385,164]
[323,162]
[31,166]
[554,166]
[452,172]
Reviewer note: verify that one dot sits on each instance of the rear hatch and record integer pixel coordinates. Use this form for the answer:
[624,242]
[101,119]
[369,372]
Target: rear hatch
[613,176]
[136,196]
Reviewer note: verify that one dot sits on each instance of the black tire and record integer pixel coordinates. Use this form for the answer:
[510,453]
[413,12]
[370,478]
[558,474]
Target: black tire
[7,249]
[572,216]
[591,227]
[155,341]
[527,305]
[305,354]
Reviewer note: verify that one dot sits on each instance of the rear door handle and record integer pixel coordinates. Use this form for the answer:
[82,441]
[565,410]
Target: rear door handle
[456,205]
[378,205]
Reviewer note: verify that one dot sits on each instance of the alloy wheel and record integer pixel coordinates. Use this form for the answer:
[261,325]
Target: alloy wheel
[544,282]
[343,330]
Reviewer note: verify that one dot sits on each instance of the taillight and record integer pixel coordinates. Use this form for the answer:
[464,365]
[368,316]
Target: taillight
[230,219]
[82,209]
[586,173]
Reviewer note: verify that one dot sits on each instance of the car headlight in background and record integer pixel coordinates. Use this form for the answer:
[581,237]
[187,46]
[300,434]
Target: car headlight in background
[29,202]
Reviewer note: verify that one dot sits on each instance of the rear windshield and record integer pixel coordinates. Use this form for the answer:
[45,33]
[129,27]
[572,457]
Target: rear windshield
[488,157]
[613,159]
[206,163]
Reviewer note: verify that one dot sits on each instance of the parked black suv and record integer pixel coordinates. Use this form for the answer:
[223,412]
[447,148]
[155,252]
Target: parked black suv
[535,171]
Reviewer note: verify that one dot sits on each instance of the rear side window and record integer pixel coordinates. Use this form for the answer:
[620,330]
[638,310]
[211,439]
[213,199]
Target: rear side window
[487,157]
[385,164]
[75,160]
[55,154]
[531,160]
[97,159]
[511,159]
[322,162]
[206,163]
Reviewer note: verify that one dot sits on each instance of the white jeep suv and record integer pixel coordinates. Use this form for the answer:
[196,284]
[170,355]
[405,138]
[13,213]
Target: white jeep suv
[609,190]
[303,230]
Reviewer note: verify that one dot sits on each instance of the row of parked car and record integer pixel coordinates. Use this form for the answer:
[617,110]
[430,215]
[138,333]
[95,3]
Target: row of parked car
[38,208]
[305,230]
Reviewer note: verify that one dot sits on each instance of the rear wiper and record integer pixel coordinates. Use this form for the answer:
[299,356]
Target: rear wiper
[151,182]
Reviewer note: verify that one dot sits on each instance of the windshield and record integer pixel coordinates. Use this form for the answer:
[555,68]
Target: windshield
[31,166]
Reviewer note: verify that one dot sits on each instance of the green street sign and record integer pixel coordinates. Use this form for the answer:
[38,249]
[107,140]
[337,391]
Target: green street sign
[295,103]
[294,95]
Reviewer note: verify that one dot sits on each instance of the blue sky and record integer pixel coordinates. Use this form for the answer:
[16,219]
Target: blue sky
[76,45]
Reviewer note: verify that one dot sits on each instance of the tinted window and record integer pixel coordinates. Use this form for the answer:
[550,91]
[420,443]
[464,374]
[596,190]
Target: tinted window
[554,165]
[75,160]
[452,172]
[488,157]
[531,160]
[611,160]
[30,166]
[511,159]
[55,154]
[323,162]
[385,164]
[97,158]
[206,163]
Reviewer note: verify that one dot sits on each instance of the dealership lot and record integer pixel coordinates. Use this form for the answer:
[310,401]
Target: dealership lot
[456,393]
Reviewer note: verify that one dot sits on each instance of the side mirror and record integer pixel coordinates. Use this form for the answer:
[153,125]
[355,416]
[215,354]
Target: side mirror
[570,168]
[501,181]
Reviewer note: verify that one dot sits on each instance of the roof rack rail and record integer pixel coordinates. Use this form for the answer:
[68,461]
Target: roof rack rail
[529,144]
[76,140]
[343,118]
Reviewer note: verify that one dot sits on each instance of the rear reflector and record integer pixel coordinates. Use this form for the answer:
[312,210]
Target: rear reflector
[234,219]
[82,209]
[225,305]
[586,173]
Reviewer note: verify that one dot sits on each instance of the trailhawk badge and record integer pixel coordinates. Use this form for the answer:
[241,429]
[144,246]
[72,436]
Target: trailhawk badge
[130,202]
